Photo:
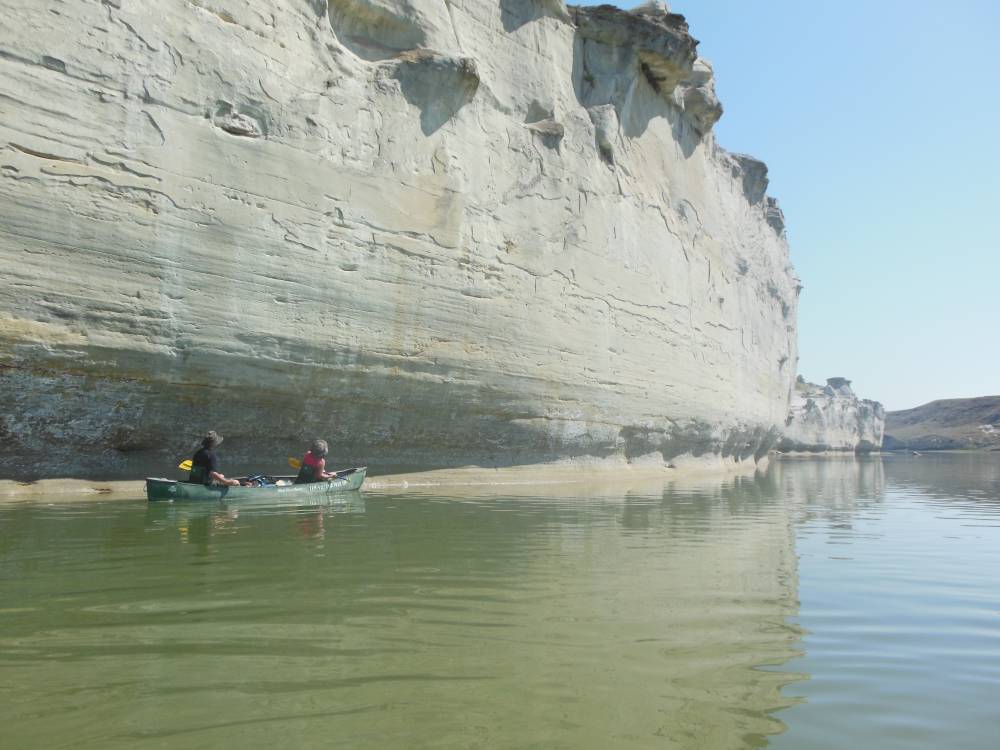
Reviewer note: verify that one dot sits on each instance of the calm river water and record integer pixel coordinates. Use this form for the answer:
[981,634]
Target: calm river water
[830,604]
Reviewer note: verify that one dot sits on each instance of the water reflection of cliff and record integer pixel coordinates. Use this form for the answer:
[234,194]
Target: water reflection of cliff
[833,487]
[598,617]
[660,604]
[728,584]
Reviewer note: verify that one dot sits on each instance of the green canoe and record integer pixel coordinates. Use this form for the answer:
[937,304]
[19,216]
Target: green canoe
[169,489]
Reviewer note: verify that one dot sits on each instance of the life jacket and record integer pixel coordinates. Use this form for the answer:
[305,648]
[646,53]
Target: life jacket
[307,472]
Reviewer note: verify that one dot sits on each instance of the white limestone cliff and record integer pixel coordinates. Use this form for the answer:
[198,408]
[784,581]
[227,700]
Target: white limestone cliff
[831,418]
[435,232]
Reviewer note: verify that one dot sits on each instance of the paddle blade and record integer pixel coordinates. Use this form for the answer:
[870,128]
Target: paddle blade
[185,465]
[294,463]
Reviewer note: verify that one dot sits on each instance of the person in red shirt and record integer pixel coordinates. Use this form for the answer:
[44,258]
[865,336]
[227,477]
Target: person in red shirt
[314,464]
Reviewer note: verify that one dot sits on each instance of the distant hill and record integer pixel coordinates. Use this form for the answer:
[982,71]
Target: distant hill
[947,424]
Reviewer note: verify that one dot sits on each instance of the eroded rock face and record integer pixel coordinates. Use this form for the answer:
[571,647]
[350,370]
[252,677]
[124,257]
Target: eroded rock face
[659,40]
[696,96]
[831,418]
[436,234]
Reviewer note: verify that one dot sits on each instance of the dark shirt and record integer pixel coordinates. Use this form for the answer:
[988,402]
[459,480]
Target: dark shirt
[205,461]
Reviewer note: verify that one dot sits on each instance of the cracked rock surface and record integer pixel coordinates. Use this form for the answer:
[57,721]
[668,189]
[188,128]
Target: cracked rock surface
[485,232]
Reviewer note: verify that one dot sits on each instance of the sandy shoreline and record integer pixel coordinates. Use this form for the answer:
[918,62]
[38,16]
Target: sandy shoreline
[600,477]
[586,474]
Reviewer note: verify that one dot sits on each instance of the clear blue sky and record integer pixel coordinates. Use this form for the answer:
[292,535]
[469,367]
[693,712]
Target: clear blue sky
[879,121]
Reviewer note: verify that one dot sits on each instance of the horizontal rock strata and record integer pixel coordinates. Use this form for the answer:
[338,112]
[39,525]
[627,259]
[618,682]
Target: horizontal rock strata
[831,418]
[484,232]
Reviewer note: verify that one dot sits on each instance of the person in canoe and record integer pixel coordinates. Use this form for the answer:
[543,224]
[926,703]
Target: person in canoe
[205,463]
[314,464]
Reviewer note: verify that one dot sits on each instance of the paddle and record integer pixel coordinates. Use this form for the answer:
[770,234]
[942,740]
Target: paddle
[293,462]
[186,465]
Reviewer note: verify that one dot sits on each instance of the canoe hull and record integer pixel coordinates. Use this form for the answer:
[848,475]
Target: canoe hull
[166,490]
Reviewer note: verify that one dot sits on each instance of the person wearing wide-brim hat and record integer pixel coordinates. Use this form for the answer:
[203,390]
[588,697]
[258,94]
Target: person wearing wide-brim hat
[205,463]
[314,464]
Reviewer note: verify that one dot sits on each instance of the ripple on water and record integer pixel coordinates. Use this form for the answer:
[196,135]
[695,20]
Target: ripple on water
[642,619]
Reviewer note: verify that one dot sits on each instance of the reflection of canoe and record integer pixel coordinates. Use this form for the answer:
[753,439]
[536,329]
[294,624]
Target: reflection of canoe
[169,489]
